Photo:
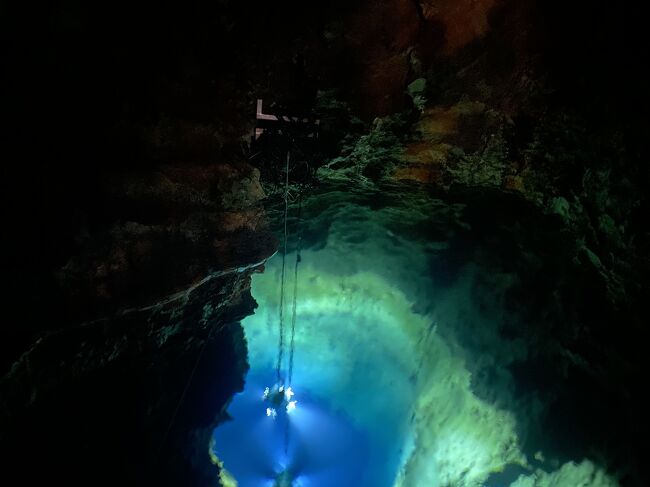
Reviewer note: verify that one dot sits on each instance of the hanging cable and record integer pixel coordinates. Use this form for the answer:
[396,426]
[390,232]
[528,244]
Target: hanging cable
[287,431]
[282,277]
[295,292]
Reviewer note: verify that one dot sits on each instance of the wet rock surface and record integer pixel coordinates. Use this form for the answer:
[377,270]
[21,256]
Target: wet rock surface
[111,401]
[126,387]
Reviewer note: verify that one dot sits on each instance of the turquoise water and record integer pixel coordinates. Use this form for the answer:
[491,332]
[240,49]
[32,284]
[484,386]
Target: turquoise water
[323,446]
[402,370]
[349,424]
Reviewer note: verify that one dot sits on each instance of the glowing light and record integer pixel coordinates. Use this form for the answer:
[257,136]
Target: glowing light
[280,397]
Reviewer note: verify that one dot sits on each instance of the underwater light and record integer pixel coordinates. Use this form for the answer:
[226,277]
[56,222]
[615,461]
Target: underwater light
[280,398]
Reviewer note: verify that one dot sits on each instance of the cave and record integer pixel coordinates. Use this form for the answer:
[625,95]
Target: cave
[363,243]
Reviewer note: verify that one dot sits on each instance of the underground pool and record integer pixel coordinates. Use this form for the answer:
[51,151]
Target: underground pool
[400,373]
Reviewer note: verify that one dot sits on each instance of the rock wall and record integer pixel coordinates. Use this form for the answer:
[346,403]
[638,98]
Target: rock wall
[126,384]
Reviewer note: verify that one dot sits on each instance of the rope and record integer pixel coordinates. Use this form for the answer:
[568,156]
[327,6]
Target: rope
[295,293]
[282,278]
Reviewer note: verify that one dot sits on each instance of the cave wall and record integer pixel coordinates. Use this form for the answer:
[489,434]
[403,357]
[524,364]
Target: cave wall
[128,376]
[108,402]
[130,203]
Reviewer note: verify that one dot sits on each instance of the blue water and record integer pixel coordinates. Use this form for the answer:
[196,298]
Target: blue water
[324,447]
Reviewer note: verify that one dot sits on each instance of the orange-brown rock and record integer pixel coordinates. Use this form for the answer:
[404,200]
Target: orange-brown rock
[462,21]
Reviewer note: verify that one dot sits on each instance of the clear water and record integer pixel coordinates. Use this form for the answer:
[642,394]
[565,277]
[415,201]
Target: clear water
[324,447]
[396,323]
[353,401]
